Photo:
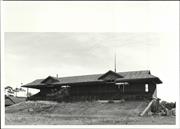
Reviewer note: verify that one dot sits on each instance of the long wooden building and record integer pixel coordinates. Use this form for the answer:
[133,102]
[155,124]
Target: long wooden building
[108,86]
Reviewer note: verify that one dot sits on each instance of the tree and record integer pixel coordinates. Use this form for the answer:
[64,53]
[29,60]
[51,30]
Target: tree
[16,90]
[21,89]
[8,87]
[9,91]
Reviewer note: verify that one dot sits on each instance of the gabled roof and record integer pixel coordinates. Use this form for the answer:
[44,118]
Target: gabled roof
[123,76]
[110,75]
[50,80]
[66,80]
[138,75]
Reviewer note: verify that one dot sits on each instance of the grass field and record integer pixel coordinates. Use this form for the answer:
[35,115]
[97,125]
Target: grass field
[81,113]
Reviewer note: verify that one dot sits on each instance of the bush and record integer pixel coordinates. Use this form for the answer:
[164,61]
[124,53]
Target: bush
[155,107]
[168,105]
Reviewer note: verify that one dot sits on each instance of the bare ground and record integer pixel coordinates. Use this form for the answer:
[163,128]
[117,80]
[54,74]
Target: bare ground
[82,113]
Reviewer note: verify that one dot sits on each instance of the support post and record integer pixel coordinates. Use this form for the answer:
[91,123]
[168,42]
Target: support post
[147,108]
[27,92]
[155,93]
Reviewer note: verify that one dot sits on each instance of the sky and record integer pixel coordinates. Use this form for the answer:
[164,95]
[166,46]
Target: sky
[76,38]
[30,56]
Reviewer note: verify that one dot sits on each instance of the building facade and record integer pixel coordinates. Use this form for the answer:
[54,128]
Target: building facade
[108,86]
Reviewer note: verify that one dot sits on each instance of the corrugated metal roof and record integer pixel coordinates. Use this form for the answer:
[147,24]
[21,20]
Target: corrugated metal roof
[145,74]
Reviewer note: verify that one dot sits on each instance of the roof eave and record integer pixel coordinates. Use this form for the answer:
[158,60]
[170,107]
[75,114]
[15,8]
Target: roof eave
[33,86]
[60,84]
[156,80]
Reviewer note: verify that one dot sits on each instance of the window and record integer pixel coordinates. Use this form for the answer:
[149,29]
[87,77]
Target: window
[146,88]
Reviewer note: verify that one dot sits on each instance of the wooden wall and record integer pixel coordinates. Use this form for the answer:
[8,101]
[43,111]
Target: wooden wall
[111,91]
[104,91]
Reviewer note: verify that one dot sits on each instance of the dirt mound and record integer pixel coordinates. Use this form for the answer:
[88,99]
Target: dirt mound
[31,107]
[127,108]
[81,113]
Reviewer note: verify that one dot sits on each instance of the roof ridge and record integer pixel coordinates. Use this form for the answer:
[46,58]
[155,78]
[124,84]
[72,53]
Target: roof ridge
[92,74]
[78,75]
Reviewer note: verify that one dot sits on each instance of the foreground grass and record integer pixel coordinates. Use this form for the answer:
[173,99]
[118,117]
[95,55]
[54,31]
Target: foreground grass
[47,119]
[81,113]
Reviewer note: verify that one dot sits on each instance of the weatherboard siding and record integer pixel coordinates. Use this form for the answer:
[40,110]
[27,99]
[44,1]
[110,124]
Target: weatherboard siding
[110,85]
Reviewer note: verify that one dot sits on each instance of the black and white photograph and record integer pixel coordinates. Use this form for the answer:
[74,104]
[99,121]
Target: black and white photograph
[90,64]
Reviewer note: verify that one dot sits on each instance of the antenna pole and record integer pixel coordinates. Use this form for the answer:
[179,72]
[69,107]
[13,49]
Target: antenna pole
[115,62]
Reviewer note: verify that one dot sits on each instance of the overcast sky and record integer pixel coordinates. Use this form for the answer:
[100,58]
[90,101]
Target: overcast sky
[30,56]
[145,37]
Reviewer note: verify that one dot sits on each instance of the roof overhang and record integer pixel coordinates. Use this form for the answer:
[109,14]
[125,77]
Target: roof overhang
[147,80]
[63,84]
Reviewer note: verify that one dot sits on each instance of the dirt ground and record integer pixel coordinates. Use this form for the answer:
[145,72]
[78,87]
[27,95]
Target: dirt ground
[46,119]
[82,113]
